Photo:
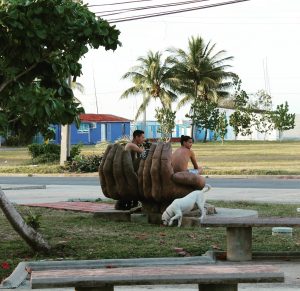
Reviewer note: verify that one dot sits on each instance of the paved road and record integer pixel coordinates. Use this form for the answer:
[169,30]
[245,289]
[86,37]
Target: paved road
[53,189]
[259,183]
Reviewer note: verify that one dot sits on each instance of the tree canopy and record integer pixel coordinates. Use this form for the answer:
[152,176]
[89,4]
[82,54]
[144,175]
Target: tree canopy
[151,78]
[41,43]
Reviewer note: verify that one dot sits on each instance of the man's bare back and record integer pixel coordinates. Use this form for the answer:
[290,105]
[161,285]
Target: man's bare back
[180,159]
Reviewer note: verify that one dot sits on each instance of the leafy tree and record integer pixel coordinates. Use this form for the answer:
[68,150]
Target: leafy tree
[262,104]
[204,114]
[152,79]
[241,122]
[221,126]
[262,101]
[200,73]
[241,119]
[166,118]
[41,43]
[283,120]
[263,123]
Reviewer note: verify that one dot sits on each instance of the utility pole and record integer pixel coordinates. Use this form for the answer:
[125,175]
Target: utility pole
[144,117]
[65,140]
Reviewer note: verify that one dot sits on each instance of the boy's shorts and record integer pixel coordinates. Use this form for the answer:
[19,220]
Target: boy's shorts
[193,171]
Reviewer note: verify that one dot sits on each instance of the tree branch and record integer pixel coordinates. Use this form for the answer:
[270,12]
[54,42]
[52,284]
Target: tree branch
[4,84]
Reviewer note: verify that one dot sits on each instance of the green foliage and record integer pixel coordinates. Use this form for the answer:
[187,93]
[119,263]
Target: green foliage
[166,118]
[262,101]
[13,141]
[41,149]
[204,114]
[75,151]
[46,158]
[41,43]
[33,220]
[283,120]
[221,126]
[241,119]
[201,73]
[152,78]
[84,164]
[263,122]
[44,153]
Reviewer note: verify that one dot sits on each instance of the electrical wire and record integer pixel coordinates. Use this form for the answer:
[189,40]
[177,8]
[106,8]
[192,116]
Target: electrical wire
[119,3]
[150,15]
[125,10]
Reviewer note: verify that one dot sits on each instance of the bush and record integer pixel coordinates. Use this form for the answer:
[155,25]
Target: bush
[75,151]
[12,141]
[33,220]
[46,158]
[84,164]
[35,150]
[44,153]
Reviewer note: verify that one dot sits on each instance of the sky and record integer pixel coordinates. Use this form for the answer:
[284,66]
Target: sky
[262,36]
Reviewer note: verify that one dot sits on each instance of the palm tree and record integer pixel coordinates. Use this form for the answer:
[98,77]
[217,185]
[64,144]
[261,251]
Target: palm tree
[199,73]
[152,79]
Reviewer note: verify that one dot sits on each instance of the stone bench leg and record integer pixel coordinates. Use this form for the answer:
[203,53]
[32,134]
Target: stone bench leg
[239,243]
[216,287]
[104,288]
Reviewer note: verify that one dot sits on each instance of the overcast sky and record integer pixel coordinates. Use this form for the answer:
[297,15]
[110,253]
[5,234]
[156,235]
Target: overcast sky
[258,33]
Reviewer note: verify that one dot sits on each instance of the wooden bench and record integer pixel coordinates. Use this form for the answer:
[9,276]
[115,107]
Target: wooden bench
[208,277]
[239,232]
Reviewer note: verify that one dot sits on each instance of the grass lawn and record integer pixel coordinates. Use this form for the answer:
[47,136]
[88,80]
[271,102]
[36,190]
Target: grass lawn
[75,235]
[234,157]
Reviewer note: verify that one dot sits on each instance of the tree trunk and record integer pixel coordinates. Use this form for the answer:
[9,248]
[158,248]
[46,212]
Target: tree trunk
[31,237]
[192,132]
[205,135]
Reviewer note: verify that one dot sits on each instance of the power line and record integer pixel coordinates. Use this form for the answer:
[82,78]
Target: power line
[130,18]
[118,3]
[125,10]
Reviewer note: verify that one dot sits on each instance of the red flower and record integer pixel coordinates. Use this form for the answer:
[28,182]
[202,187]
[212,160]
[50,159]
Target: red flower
[5,266]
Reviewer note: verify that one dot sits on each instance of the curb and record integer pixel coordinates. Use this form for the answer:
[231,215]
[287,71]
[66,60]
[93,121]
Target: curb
[95,174]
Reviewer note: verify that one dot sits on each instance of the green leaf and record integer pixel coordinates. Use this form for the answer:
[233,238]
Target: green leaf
[42,34]
[61,91]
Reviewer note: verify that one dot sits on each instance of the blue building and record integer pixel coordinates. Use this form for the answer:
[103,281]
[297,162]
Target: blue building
[182,127]
[95,128]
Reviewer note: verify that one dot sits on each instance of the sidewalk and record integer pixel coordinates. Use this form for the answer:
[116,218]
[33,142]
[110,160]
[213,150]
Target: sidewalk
[55,193]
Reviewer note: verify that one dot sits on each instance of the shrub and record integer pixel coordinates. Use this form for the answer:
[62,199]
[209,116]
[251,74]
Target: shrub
[33,220]
[75,151]
[46,158]
[84,164]
[44,153]
[12,141]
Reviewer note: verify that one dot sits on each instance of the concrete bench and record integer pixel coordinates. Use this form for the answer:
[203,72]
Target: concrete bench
[208,277]
[239,232]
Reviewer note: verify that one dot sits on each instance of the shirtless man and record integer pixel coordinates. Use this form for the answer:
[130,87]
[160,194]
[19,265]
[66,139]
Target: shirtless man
[182,156]
[135,148]
[135,145]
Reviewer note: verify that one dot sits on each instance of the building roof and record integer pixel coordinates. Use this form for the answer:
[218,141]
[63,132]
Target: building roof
[102,118]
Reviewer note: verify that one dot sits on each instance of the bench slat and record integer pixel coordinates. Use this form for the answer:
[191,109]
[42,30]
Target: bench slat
[251,222]
[217,274]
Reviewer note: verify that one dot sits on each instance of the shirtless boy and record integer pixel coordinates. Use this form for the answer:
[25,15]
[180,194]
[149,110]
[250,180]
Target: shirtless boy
[135,149]
[135,145]
[182,156]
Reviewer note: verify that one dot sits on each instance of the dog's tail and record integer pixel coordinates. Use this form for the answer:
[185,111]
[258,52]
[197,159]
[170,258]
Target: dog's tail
[206,188]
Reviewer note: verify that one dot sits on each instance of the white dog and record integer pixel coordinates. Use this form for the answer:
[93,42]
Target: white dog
[183,205]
